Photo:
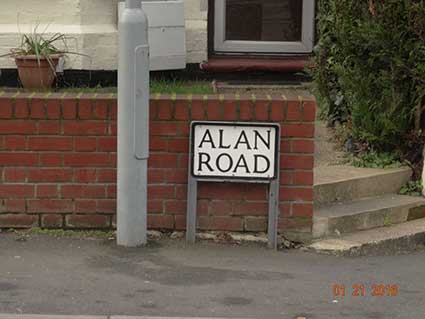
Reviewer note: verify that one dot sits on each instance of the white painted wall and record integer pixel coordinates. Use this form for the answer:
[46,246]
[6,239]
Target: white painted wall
[196,14]
[92,27]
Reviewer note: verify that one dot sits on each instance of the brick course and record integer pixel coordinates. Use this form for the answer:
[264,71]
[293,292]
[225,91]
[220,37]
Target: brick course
[58,162]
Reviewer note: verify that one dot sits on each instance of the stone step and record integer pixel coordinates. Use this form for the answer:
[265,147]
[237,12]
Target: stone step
[366,213]
[390,240]
[345,183]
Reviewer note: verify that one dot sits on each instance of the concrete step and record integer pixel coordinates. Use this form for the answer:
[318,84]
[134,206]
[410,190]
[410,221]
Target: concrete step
[325,151]
[379,241]
[345,183]
[367,213]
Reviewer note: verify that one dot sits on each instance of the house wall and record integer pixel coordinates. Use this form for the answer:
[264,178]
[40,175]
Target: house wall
[196,15]
[58,163]
[92,25]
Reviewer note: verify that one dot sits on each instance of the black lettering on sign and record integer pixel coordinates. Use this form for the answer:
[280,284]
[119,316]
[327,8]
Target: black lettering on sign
[220,165]
[204,160]
[241,164]
[207,139]
[266,141]
[256,164]
[243,140]
[221,140]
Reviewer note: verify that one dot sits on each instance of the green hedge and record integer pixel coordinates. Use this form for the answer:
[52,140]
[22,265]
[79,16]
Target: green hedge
[370,67]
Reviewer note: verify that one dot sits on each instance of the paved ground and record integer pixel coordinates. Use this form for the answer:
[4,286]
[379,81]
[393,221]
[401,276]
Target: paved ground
[46,275]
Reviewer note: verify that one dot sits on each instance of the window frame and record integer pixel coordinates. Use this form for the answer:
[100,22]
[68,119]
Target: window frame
[221,45]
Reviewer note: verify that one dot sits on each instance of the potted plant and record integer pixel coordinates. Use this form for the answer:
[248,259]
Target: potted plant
[37,58]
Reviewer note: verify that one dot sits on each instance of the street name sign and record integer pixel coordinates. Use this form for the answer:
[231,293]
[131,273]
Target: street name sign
[234,150]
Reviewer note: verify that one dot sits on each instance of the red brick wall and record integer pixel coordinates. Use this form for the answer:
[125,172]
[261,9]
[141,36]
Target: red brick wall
[58,162]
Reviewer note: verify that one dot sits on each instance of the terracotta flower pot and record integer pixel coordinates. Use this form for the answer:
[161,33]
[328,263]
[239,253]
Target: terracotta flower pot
[36,74]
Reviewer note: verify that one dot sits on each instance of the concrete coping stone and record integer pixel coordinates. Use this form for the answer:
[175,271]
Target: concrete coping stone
[294,96]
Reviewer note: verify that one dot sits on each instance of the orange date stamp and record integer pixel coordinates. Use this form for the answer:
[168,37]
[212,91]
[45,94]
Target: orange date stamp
[362,290]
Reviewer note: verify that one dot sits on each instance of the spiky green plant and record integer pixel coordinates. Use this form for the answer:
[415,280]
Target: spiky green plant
[42,45]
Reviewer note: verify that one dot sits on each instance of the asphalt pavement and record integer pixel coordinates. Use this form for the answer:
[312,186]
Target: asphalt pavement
[42,274]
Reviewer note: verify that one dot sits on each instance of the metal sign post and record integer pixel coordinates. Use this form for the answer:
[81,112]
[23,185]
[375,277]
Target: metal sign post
[423,174]
[133,126]
[234,152]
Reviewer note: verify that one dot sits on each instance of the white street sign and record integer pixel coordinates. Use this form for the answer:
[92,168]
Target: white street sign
[234,150]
